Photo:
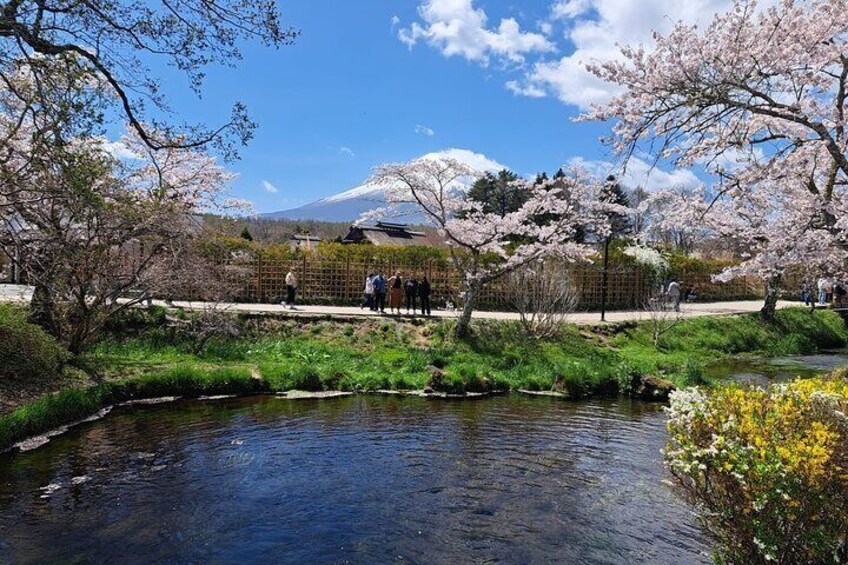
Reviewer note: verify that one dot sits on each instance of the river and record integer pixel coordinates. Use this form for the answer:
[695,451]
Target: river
[365,479]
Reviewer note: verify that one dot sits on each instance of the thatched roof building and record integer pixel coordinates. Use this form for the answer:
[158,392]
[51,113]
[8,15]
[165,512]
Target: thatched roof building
[386,234]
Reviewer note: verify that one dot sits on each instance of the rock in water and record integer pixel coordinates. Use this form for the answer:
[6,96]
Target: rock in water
[653,388]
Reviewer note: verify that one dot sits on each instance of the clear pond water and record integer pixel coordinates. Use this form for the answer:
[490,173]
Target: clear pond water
[761,372]
[364,479]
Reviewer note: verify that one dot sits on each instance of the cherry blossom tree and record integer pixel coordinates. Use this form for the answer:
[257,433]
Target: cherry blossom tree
[485,246]
[666,218]
[757,98]
[87,228]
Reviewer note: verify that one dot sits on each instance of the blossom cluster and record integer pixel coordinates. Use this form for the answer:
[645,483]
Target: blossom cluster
[757,97]
[647,257]
[547,222]
[767,468]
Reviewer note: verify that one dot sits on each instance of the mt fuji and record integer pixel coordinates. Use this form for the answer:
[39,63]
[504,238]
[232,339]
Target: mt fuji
[349,205]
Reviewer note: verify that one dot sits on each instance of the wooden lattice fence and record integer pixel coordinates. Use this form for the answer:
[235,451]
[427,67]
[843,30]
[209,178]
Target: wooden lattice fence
[342,281]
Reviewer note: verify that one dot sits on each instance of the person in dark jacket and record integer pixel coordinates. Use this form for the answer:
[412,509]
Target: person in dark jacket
[411,294]
[424,295]
[380,293]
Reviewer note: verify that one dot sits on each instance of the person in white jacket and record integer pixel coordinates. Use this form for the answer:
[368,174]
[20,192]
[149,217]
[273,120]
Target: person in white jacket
[369,293]
[291,289]
[673,294]
[823,286]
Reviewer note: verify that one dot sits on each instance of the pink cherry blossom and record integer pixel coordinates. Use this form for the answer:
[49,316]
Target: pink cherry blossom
[485,246]
[757,98]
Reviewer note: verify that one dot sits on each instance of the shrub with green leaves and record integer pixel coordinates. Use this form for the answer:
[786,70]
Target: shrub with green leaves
[27,351]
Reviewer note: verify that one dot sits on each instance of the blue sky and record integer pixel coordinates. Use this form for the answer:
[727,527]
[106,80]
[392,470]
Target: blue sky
[368,80]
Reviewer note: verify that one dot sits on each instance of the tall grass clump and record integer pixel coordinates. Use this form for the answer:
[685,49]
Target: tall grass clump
[51,412]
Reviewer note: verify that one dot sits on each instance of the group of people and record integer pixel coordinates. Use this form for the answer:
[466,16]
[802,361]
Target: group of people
[412,292]
[831,290]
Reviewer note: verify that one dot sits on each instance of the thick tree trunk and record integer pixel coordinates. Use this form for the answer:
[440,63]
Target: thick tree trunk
[770,306]
[463,325]
[79,335]
[605,280]
[42,310]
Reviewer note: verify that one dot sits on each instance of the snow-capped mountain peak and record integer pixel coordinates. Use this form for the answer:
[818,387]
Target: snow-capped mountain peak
[349,205]
[476,161]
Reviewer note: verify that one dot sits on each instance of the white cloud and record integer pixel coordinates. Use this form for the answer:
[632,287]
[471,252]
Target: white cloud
[567,9]
[395,22]
[639,173]
[269,187]
[597,28]
[117,150]
[424,130]
[456,27]
[347,151]
[476,161]
[593,29]
[529,90]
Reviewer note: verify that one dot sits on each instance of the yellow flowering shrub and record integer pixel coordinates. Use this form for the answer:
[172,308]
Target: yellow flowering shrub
[766,469]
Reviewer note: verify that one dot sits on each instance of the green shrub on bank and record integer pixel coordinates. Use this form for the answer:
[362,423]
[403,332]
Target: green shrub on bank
[27,352]
[186,381]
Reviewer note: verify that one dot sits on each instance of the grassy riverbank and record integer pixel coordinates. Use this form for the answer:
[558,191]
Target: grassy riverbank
[146,357]
[389,354]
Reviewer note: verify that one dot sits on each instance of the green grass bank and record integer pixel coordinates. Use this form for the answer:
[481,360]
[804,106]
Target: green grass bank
[149,355]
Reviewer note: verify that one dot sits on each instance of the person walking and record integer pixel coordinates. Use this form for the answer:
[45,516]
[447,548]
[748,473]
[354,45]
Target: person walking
[673,294]
[411,294]
[291,289]
[806,294]
[369,292]
[379,282]
[395,293]
[424,295]
[822,286]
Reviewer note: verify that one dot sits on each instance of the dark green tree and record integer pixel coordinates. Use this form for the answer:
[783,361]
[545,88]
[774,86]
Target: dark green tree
[620,225]
[498,193]
[245,234]
[541,177]
[620,222]
[557,181]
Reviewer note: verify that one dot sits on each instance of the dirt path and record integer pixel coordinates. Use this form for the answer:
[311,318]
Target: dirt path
[16,293]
